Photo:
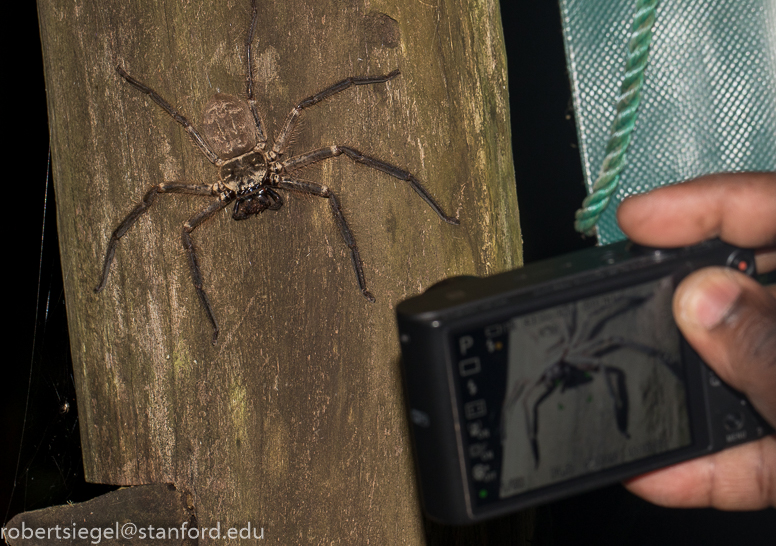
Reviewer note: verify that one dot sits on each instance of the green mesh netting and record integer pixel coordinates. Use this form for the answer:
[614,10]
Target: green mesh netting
[708,102]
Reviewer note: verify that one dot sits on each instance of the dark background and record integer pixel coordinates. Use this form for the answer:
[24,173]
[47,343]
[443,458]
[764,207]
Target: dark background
[40,463]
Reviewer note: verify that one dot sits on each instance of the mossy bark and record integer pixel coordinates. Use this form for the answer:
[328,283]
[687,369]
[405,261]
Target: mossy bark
[294,421]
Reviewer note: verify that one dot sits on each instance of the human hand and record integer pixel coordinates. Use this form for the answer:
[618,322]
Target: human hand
[728,318]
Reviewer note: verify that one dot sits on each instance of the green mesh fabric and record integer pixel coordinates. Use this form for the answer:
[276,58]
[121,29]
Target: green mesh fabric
[709,99]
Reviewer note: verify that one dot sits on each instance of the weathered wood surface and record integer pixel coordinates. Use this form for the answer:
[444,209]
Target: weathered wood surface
[156,514]
[294,420]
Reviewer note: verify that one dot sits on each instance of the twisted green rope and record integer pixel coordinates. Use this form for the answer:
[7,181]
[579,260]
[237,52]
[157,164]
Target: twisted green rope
[625,119]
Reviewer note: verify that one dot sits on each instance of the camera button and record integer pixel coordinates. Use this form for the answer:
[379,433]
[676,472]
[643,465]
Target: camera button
[469,366]
[733,421]
[475,409]
[741,261]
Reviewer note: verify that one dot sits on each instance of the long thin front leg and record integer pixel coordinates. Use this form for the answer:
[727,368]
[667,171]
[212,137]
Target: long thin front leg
[249,75]
[137,212]
[203,146]
[616,383]
[188,244]
[347,235]
[532,416]
[322,154]
[347,83]
[601,347]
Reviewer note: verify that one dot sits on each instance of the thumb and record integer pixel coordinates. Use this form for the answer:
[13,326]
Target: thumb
[730,320]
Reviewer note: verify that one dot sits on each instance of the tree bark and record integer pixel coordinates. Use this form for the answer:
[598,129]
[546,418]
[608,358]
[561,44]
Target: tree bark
[294,420]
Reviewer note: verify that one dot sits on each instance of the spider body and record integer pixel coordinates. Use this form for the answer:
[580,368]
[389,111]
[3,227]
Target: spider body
[252,171]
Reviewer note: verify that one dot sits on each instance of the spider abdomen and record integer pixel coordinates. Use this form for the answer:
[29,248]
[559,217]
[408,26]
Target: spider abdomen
[228,125]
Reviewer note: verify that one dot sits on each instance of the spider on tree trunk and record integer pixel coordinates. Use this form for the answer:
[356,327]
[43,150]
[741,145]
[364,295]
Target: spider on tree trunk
[252,171]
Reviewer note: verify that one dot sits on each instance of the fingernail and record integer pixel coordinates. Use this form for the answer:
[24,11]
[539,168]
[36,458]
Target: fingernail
[709,297]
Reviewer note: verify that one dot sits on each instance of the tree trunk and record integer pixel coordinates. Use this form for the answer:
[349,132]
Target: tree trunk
[294,420]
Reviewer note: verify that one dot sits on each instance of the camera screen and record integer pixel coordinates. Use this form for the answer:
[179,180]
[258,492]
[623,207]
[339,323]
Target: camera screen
[581,387]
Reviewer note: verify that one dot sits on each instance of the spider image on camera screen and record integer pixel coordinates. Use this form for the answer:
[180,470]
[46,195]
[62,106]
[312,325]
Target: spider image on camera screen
[253,171]
[575,350]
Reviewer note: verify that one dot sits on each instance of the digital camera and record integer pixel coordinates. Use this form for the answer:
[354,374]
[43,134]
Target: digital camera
[560,377]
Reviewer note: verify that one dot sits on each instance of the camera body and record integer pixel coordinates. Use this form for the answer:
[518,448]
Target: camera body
[560,377]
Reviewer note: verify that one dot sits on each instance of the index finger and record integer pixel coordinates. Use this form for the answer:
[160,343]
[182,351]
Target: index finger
[738,208]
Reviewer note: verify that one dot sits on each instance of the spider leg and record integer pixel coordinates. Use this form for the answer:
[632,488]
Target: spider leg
[322,154]
[249,77]
[601,317]
[515,393]
[322,191]
[615,382]
[196,275]
[137,212]
[532,415]
[203,146]
[288,127]
[602,347]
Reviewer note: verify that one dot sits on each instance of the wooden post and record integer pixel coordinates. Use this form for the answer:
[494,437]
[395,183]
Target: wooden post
[294,421]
